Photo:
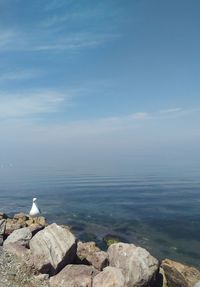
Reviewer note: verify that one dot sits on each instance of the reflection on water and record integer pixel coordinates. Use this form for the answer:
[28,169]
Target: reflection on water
[159,211]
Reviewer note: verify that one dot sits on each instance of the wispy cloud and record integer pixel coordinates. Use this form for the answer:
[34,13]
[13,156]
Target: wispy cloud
[172,110]
[27,104]
[74,42]
[23,124]
[7,37]
[21,41]
[62,30]
[141,116]
[57,4]
[20,74]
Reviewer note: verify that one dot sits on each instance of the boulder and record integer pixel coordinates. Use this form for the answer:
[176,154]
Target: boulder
[179,275]
[21,236]
[2,226]
[3,215]
[1,240]
[136,263]
[40,220]
[89,253]
[36,224]
[111,276]
[20,251]
[35,228]
[160,279]
[21,217]
[74,276]
[11,225]
[52,248]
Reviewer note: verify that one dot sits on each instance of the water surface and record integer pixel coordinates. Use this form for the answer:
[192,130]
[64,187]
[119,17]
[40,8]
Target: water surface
[155,208]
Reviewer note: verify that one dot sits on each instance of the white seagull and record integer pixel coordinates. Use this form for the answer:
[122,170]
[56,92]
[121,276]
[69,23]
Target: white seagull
[35,211]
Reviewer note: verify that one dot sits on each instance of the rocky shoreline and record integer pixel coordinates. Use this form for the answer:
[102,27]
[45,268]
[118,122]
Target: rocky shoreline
[35,254]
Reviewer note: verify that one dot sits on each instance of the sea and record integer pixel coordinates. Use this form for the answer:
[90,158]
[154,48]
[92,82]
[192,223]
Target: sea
[157,208]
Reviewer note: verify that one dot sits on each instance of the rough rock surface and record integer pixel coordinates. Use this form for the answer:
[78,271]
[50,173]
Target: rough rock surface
[2,230]
[21,217]
[11,225]
[3,215]
[1,240]
[137,265]
[179,275]
[2,226]
[14,273]
[20,251]
[21,236]
[53,248]
[74,276]
[89,253]
[109,277]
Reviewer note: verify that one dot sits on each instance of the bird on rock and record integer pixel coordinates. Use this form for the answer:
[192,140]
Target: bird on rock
[35,211]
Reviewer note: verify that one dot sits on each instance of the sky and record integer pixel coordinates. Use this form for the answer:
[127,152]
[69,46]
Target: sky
[108,83]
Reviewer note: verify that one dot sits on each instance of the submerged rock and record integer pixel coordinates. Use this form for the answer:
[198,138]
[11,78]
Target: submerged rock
[74,276]
[136,263]
[179,275]
[110,239]
[53,248]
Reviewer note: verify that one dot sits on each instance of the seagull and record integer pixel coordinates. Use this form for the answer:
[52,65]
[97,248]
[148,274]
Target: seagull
[35,211]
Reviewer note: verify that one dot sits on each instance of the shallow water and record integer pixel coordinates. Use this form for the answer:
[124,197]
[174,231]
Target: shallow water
[154,208]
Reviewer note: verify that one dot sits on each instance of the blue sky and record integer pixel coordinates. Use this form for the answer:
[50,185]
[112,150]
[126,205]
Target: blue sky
[99,80]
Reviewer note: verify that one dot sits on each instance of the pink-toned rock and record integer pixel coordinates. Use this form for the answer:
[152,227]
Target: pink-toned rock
[109,277]
[74,276]
[20,251]
[89,253]
[136,263]
[53,248]
[179,275]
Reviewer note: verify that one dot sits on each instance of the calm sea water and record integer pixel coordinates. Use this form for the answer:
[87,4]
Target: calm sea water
[158,208]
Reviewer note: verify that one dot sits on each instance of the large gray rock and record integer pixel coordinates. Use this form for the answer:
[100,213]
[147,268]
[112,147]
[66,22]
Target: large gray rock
[21,236]
[109,277]
[53,248]
[89,253]
[136,263]
[74,276]
[179,275]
